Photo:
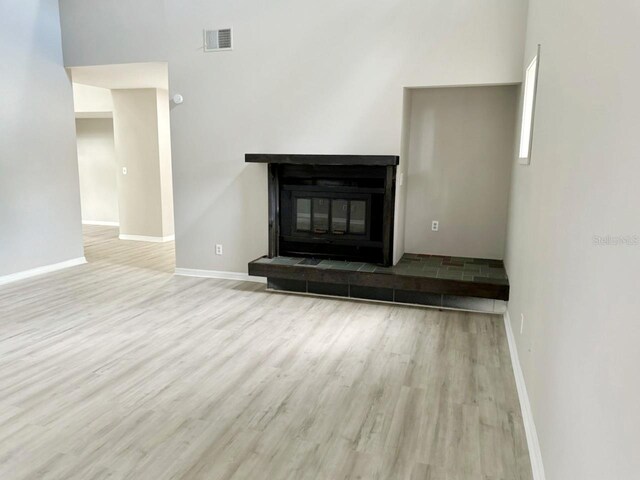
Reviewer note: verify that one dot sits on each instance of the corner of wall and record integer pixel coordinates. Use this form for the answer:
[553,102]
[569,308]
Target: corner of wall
[401,180]
[166,171]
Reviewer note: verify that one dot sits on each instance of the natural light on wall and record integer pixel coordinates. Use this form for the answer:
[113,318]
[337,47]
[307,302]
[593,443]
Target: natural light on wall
[531,79]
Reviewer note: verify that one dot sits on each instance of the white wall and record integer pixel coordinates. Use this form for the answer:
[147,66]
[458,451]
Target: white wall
[102,32]
[39,196]
[135,124]
[164,158]
[330,81]
[91,101]
[460,149]
[579,347]
[98,170]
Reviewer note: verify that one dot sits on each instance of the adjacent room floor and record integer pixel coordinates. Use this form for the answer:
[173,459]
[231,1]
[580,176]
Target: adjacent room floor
[118,369]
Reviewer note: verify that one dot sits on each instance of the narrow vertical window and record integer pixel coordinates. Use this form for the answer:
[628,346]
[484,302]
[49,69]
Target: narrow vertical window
[528,107]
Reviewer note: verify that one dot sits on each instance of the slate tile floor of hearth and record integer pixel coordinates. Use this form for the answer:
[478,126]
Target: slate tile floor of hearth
[478,270]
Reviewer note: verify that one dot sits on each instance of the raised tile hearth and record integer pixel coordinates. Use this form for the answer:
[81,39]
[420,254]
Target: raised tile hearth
[433,280]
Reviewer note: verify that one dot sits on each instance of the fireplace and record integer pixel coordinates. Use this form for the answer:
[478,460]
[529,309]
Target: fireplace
[337,207]
[331,233]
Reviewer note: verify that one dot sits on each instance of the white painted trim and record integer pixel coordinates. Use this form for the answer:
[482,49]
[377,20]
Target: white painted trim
[192,272]
[535,454]
[14,277]
[85,115]
[101,223]
[143,238]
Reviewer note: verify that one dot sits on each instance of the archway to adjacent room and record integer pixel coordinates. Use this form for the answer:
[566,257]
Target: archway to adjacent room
[124,163]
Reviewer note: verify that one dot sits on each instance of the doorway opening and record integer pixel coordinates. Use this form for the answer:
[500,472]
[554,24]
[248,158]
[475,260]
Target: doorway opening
[124,162]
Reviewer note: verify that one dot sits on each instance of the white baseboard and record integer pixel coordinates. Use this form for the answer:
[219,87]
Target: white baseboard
[101,223]
[143,238]
[192,272]
[14,277]
[525,406]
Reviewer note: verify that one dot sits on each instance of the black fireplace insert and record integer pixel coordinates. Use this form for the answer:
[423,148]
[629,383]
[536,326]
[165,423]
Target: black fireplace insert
[331,206]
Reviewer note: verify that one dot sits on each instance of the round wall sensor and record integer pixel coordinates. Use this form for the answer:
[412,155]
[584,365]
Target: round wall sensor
[177,99]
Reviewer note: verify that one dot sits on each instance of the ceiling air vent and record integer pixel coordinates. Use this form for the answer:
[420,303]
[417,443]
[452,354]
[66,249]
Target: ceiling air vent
[216,40]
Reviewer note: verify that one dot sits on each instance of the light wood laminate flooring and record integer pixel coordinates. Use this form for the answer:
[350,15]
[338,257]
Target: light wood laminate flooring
[119,370]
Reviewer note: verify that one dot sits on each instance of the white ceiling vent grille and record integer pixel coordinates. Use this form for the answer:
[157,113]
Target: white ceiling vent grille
[216,40]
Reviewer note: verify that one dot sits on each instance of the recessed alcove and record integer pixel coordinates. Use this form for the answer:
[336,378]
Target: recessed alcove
[456,160]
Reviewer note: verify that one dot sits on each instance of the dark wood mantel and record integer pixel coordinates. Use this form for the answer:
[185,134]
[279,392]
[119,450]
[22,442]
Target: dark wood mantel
[294,159]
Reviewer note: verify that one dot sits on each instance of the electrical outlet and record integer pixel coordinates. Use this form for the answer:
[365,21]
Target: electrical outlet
[124,170]
[521,323]
[435,225]
[218,249]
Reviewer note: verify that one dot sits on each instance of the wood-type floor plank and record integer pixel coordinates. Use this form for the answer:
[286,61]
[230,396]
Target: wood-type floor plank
[118,369]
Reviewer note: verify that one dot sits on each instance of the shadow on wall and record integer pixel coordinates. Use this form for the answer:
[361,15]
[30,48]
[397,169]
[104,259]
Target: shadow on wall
[242,191]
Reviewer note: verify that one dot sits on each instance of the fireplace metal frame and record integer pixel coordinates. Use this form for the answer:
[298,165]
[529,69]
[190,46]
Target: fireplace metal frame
[385,166]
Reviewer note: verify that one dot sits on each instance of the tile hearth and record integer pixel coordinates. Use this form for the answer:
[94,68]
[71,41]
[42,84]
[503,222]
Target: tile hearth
[477,270]
[433,280]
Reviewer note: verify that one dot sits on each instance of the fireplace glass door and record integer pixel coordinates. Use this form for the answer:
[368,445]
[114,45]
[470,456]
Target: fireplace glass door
[330,216]
[339,216]
[303,215]
[358,217]
[320,215]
